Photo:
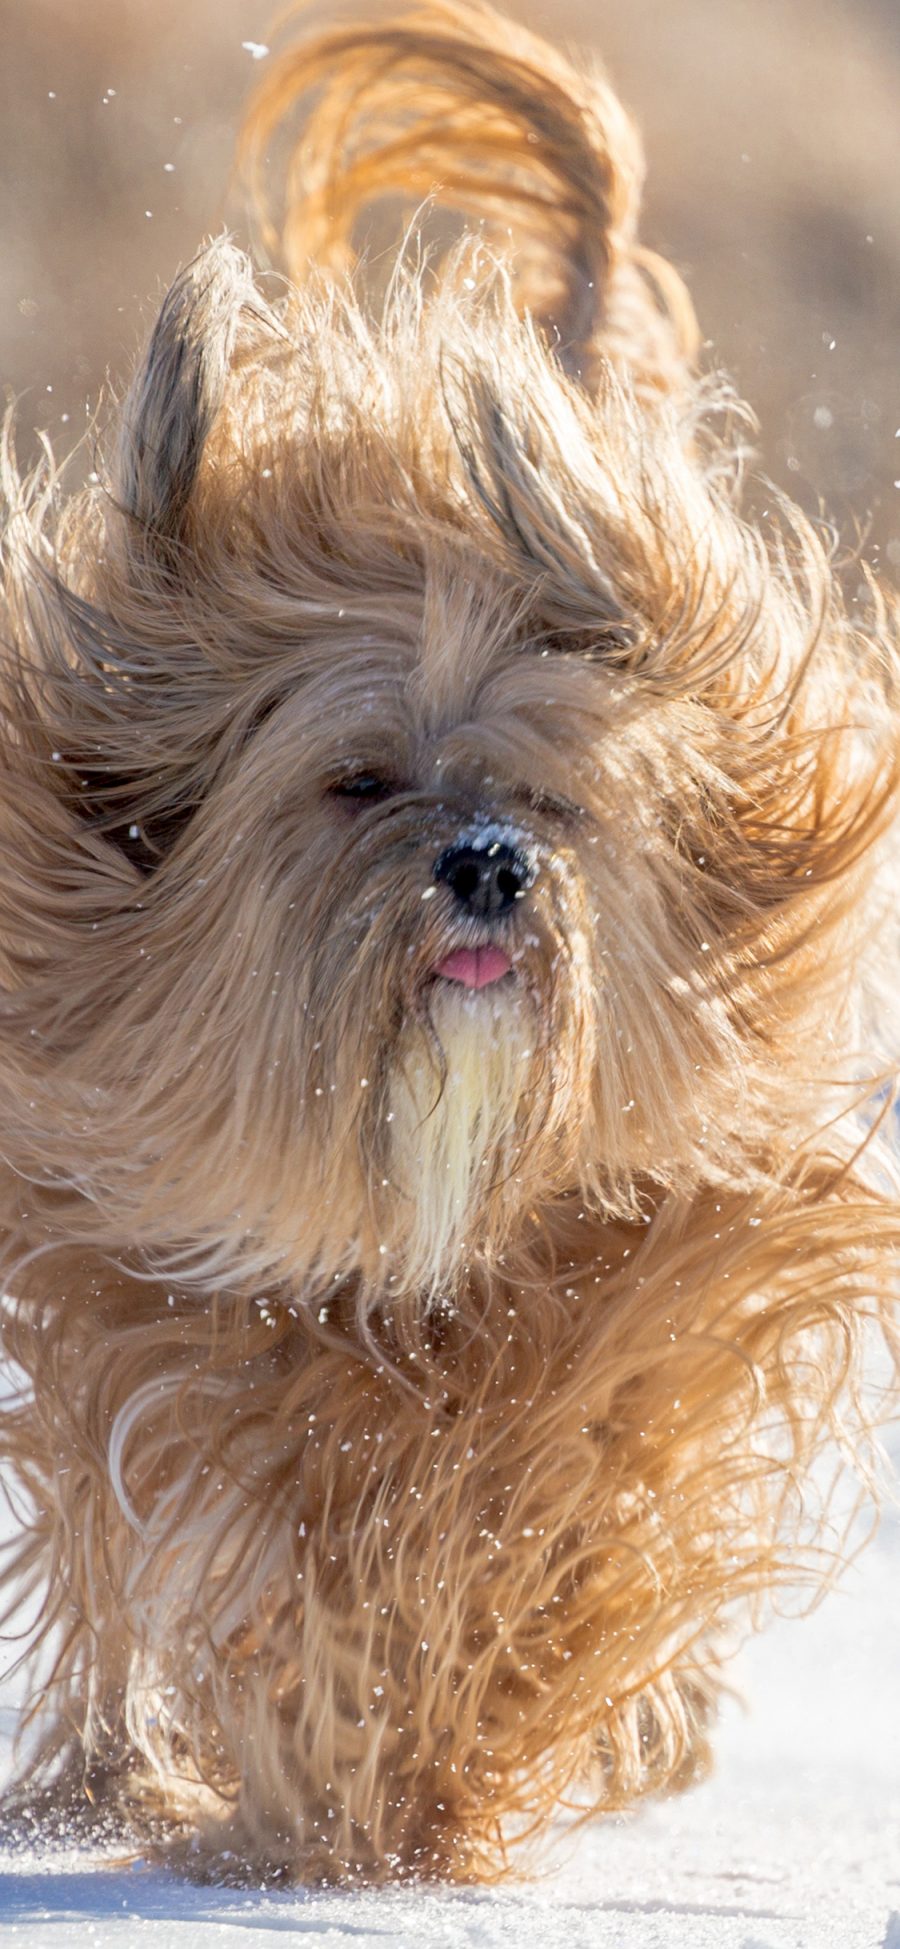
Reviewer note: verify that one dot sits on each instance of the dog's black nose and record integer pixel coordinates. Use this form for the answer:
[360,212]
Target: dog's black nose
[487,880]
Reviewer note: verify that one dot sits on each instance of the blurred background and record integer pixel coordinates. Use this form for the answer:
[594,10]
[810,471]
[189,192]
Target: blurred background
[772,129]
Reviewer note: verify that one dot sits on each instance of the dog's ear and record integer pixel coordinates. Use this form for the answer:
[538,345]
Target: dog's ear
[452,102]
[177,392]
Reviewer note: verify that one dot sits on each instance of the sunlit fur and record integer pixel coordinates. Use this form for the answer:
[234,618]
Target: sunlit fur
[412,1381]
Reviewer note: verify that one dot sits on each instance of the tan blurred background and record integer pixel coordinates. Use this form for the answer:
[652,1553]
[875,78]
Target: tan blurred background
[773,135]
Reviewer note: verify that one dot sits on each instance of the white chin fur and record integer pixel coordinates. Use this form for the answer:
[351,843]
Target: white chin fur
[449,1145]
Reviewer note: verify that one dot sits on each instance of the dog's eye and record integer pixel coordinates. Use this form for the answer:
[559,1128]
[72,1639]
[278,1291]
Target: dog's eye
[364,786]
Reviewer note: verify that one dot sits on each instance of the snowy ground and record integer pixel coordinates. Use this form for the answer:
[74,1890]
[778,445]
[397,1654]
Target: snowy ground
[795,1844]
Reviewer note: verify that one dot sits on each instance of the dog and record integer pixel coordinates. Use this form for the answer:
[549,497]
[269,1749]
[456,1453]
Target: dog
[448,918]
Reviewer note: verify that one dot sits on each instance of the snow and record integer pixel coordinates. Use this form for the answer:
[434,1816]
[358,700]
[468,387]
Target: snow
[793,1844]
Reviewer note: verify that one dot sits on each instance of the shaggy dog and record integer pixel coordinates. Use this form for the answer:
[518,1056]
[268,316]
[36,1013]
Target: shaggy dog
[444,898]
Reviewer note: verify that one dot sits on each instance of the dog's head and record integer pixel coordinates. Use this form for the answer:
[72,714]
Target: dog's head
[427,798]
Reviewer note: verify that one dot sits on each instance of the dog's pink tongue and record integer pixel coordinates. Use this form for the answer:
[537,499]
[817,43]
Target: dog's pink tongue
[475,967]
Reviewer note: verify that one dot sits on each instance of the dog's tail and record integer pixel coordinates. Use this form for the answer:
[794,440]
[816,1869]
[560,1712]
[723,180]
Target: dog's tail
[451,102]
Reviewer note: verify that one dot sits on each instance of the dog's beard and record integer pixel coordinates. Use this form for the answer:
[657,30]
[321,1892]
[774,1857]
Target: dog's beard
[457,1102]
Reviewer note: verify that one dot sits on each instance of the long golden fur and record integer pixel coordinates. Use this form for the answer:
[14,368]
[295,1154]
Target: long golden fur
[412,1379]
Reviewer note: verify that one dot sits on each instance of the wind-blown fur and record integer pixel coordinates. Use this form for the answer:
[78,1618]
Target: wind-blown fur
[411,1380]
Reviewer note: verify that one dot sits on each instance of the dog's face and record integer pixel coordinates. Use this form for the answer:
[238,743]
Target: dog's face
[425,799]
